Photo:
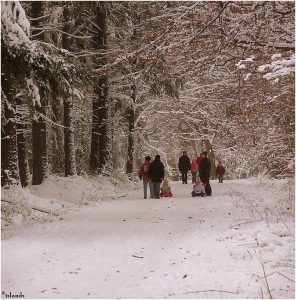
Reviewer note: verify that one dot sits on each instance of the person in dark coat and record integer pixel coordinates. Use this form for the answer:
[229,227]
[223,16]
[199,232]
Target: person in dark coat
[156,175]
[184,166]
[205,172]
[220,171]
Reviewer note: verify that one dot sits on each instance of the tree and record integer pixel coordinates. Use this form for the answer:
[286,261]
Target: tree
[69,145]
[39,141]
[22,115]
[101,152]
[9,153]
[15,28]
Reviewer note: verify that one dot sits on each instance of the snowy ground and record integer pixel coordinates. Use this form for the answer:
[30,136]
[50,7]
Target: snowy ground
[239,243]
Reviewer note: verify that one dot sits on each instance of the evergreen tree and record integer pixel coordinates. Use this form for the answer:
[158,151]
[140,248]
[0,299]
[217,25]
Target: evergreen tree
[39,141]
[101,151]
[69,144]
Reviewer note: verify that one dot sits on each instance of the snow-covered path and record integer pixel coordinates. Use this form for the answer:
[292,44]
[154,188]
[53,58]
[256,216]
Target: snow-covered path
[180,247]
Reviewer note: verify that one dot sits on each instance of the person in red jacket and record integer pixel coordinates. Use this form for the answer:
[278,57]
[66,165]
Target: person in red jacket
[143,174]
[220,171]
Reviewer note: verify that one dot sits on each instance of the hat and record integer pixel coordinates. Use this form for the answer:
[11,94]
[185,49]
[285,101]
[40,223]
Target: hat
[157,156]
[148,157]
[205,153]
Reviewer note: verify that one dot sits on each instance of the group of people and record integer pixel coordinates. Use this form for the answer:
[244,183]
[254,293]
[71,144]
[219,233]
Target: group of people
[200,167]
[152,174]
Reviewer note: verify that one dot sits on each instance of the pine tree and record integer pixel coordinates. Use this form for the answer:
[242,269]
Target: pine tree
[39,142]
[101,147]
[69,143]
[9,151]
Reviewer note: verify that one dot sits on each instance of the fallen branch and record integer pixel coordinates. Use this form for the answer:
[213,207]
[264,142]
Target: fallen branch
[137,256]
[44,210]
[204,291]
[279,274]
[38,208]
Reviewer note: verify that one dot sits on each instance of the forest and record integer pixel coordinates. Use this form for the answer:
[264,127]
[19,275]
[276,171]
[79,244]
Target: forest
[92,87]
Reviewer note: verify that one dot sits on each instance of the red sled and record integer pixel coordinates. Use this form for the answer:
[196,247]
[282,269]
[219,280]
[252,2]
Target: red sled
[166,195]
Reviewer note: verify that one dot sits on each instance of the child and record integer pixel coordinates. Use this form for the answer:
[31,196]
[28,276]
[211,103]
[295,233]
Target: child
[220,171]
[165,189]
[194,170]
[198,189]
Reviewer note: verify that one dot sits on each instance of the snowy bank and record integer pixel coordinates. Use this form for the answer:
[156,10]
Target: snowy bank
[58,194]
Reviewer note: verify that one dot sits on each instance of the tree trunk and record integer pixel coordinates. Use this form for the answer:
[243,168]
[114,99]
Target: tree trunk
[22,144]
[101,147]
[69,141]
[131,127]
[69,144]
[209,149]
[94,152]
[39,147]
[9,153]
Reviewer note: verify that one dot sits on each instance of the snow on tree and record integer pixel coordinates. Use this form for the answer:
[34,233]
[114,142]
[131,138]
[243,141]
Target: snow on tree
[178,76]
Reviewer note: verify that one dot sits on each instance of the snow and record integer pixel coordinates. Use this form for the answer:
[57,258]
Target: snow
[34,91]
[275,56]
[278,68]
[247,76]
[128,247]
[240,64]
[14,23]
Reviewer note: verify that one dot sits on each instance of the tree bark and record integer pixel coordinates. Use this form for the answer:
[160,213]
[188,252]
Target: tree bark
[9,153]
[69,140]
[101,147]
[39,146]
[131,127]
[22,145]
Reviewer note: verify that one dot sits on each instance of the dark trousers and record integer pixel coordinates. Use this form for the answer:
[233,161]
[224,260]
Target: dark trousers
[184,177]
[206,181]
[155,189]
[220,177]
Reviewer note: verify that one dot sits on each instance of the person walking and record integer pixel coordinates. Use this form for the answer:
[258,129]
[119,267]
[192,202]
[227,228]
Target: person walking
[184,166]
[220,171]
[205,172]
[194,170]
[156,175]
[143,175]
